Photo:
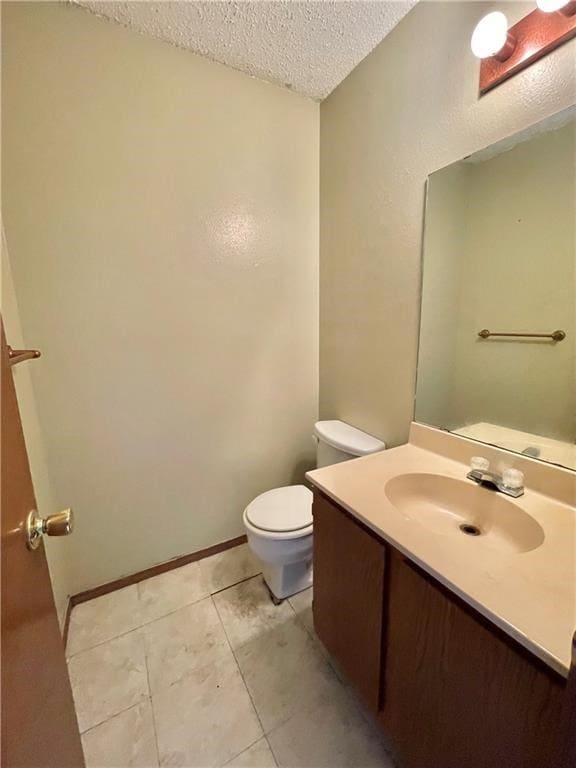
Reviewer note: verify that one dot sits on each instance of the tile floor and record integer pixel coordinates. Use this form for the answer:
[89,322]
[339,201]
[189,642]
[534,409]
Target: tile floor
[197,668]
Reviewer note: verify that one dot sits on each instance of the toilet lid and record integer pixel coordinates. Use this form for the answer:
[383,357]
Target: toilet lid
[281,509]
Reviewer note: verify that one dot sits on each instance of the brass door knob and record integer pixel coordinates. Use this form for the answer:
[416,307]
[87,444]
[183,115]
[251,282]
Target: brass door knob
[60,524]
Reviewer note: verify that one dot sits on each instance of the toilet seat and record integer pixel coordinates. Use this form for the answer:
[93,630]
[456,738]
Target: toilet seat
[282,513]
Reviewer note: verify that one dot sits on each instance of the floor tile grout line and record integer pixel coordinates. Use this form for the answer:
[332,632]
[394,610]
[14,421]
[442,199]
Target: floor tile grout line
[272,751]
[235,584]
[267,736]
[301,625]
[355,703]
[111,717]
[103,642]
[149,697]
[184,676]
[159,618]
[229,648]
[270,628]
[239,670]
[152,712]
[243,751]
[140,626]
[194,670]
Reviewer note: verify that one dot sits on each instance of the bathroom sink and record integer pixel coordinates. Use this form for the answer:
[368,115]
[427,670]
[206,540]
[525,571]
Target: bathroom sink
[445,505]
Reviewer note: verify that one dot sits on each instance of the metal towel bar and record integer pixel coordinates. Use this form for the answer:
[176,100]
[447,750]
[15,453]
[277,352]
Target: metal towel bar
[555,335]
[19,355]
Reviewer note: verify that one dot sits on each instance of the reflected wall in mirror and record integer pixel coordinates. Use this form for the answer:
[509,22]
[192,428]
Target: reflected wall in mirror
[499,254]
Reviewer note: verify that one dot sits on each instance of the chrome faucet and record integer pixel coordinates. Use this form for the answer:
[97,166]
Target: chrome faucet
[510,482]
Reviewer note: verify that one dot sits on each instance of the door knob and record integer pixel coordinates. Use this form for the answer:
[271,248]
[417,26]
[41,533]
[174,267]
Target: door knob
[60,524]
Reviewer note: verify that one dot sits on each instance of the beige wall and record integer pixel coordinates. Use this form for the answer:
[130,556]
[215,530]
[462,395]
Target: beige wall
[441,289]
[409,108]
[57,550]
[161,213]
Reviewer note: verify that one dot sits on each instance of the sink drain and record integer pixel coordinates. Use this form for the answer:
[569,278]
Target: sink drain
[470,530]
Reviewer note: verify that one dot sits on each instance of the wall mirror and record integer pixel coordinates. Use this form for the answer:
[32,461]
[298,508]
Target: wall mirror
[497,354]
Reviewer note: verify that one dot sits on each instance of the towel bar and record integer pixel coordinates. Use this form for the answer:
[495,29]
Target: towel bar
[555,335]
[19,355]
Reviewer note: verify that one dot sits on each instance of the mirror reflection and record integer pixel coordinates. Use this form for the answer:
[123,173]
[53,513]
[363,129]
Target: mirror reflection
[497,338]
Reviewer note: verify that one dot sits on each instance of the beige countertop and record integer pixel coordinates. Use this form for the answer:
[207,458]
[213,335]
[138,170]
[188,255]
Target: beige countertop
[530,595]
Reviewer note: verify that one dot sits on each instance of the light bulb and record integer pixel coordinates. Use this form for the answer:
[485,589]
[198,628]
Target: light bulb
[491,35]
[549,6]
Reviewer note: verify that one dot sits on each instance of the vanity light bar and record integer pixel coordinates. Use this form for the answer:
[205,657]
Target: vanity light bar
[533,37]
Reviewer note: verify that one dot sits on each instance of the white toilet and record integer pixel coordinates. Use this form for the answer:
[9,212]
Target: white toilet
[279,522]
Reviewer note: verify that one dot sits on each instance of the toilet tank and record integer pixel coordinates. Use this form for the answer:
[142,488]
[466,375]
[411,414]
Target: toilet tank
[338,441]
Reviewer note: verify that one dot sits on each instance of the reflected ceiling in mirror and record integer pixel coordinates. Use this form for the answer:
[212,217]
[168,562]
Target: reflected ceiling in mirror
[499,255]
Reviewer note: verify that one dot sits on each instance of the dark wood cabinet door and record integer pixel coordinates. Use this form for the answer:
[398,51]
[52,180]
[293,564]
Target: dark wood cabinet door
[567,748]
[458,693]
[348,595]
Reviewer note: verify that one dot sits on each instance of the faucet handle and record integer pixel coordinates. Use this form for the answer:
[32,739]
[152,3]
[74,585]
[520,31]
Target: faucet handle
[479,463]
[513,479]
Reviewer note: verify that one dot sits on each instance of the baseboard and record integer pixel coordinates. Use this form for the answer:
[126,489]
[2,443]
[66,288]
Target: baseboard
[147,573]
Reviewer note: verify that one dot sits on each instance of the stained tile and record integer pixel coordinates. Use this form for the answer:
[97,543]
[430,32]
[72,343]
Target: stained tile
[103,618]
[285,672]
[227,568]
[127,740]
[169,591]
[332,735]
[247,611]
[302,604]
[206,718]
[259,755]
[108,679]
[182,642]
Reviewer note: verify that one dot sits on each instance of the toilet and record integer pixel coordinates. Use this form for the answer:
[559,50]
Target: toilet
[278,523]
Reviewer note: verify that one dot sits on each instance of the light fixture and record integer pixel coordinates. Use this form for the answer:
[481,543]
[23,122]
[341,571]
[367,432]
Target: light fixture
[506,51]
[491,37]
[550,6]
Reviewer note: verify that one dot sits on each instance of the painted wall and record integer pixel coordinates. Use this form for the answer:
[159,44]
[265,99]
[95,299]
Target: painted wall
[441,289]
[162,217]
[409,108]
[57,550]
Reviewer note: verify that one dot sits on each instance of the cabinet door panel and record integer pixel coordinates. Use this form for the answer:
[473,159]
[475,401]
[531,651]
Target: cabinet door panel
[568,738]
[348,595]
[459,694]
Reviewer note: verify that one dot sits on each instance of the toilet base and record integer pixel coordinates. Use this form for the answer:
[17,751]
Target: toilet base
[275,600]
[287,580]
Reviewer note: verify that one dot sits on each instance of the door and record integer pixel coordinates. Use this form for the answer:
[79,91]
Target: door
[39,728]
[348,595]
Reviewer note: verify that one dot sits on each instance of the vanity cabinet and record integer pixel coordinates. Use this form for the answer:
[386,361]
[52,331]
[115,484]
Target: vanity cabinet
[458,693]
[450,689]
[349,567]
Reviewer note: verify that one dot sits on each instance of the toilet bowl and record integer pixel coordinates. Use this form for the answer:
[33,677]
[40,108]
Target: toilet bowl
[278,523]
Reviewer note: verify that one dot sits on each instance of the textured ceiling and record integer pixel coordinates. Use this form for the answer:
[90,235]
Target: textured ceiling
[307,46]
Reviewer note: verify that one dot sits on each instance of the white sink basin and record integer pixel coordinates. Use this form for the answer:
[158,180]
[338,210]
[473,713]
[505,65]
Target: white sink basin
[480,516]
